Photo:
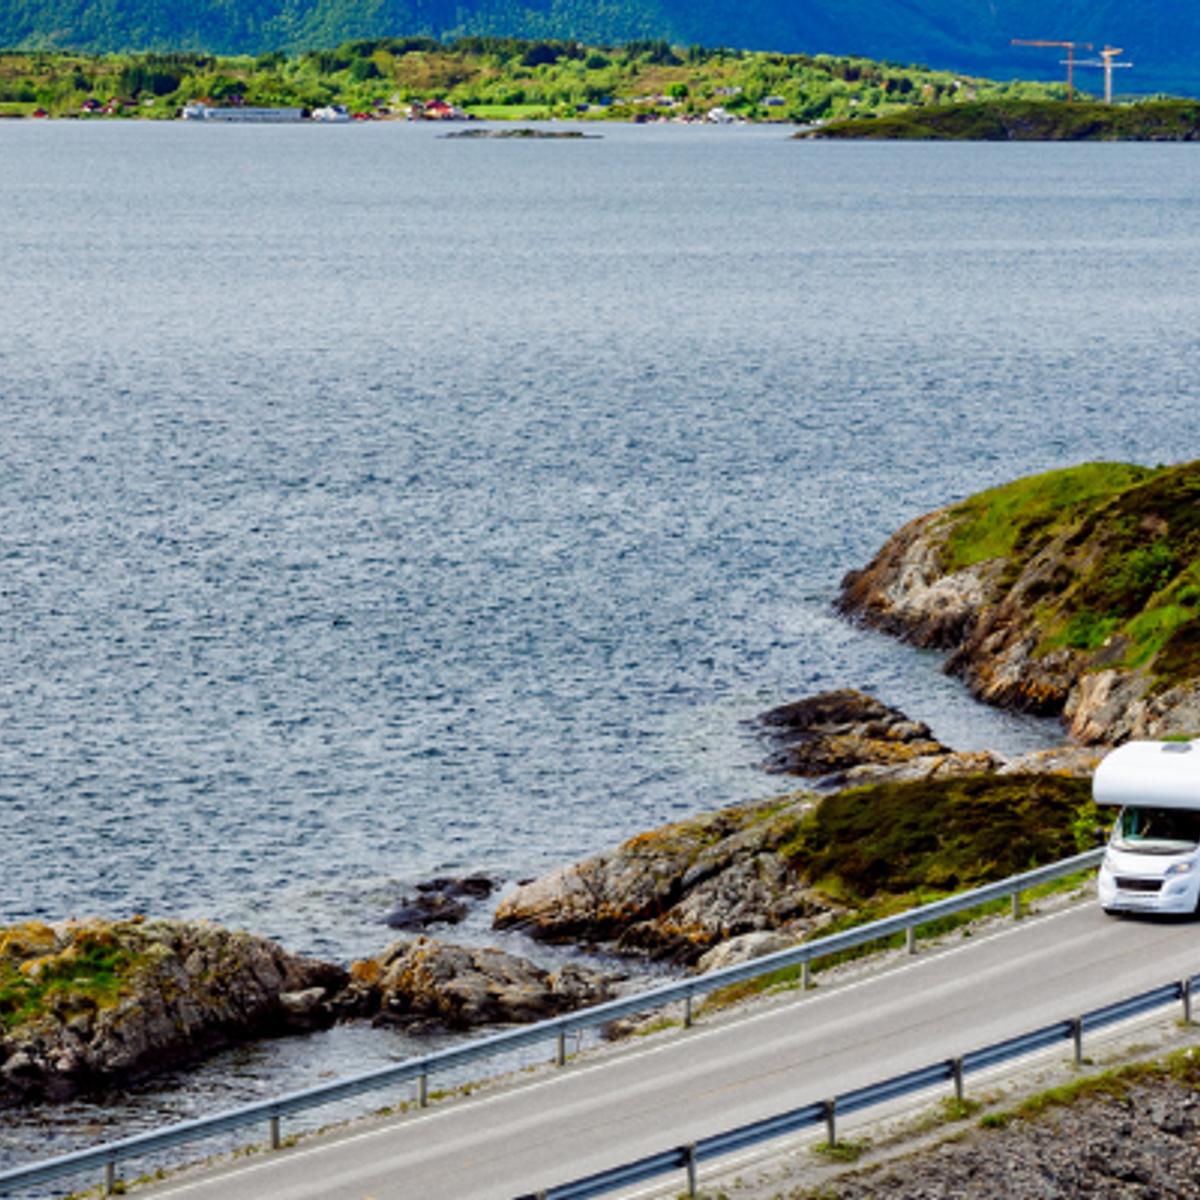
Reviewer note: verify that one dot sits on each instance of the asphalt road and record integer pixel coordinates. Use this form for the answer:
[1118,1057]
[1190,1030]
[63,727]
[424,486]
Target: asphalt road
[674,1089]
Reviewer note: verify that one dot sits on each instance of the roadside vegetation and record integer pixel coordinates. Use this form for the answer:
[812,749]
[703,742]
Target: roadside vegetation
[887,848]
[496,78]
[900,844]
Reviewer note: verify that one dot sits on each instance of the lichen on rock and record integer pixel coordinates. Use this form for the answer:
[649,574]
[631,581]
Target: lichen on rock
[430,984]
[93,1003]
[675,891]
[837,730]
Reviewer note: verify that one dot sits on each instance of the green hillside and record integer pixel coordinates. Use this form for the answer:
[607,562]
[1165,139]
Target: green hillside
[491,78]
[1160,37]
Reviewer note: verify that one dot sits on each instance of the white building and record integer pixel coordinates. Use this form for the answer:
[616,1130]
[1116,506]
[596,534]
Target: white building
[197,111]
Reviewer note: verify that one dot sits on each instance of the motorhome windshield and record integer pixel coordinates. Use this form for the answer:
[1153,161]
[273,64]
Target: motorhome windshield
[1157,830]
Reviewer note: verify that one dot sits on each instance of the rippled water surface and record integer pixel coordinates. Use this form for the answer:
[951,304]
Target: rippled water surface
[375,505]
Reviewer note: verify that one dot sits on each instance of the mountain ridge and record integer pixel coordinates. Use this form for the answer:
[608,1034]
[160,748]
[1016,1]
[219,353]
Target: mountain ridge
[1158,36]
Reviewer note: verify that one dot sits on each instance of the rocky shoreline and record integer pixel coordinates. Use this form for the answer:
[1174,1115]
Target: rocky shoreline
[86,1005]
[91,1005]
[1073,593]
[1038,590]
[754,877]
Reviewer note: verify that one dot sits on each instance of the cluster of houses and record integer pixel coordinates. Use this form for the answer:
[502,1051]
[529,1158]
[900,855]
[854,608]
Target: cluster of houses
[436,110]
[237,111]
[111,107]
[234,109]
[206,110]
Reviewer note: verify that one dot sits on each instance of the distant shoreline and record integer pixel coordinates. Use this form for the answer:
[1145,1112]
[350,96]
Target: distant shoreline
[1026,121]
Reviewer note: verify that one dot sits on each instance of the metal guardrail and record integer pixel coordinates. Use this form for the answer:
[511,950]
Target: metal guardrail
[107,1156]
[687,1158]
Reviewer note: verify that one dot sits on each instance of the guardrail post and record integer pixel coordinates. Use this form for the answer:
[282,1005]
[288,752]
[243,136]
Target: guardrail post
[689,1165]
[110,1177]
[560,1053]
[956,1068]
[423,1090]
[1185,994]
[275,1142]
[687,1011]
[831,1122]
[806,974]
[1016,906]
[1077,1036]
[910,939]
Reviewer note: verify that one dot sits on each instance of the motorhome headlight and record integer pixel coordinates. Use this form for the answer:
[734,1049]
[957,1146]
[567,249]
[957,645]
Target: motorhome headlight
[1181,868]
[1107,864]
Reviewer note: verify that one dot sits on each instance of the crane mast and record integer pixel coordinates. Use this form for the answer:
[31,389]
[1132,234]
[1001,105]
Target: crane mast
[1105,61]
[1070,48]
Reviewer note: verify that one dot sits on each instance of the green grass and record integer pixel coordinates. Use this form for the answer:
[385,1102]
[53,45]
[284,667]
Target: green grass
[1100,560]
[845,1150]
[89,974]
[1181,1067]
[1002,521]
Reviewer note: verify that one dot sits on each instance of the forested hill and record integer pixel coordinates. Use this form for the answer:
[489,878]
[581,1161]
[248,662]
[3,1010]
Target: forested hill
[1160,37]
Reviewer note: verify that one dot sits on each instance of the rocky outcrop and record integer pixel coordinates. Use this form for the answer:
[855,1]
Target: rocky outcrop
[834,731]
[440,901]
[1076,762]
[743,948]
[94,1003]
[757,876]
[1073,593]
[676,891]
[91,1004]
[426,984]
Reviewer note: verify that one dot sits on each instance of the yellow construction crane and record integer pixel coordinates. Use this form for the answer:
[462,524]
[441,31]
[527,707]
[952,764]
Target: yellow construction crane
[1070,48]
[1106,61]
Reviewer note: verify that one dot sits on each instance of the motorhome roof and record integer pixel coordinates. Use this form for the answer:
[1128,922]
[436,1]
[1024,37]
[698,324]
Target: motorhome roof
[1154,774]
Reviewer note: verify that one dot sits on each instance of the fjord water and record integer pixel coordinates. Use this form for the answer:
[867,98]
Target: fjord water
[378,505]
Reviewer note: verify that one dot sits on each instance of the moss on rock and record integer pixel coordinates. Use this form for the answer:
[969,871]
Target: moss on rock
[88,1004]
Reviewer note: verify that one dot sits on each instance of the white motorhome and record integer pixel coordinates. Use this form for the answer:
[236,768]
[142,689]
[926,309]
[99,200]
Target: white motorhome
[1152,863]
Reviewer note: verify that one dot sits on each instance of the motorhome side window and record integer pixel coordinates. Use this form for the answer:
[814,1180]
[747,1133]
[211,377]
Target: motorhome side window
[1162,830]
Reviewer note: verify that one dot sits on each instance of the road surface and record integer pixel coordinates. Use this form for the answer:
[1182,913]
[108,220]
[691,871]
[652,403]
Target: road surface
[671,1090]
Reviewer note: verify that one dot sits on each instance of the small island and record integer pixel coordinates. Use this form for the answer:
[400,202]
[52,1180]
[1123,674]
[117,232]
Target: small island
[523,131]
[1011,120]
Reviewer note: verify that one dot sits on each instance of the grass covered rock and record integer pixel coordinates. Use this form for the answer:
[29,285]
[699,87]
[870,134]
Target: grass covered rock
[1075,592]
[801,862]
[89,1004]
[1018,119]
